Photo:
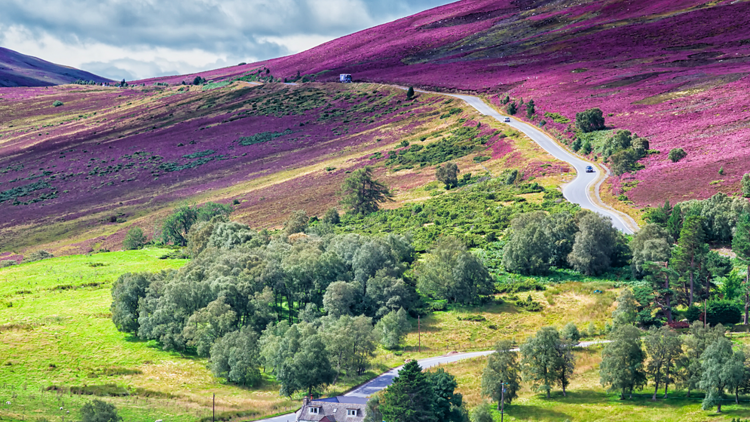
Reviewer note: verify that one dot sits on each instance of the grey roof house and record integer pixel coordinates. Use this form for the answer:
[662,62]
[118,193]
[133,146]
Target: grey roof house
[333,409]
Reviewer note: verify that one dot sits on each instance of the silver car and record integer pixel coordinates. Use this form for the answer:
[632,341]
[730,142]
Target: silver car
[507,120]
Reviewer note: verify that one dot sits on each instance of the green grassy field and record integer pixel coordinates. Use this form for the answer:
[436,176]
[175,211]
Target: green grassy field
[587,400]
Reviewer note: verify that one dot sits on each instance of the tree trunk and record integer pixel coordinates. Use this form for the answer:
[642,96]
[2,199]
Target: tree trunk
[656,389]
[666,381]
[691,288]
[747,293]
[737,395]
[718,407]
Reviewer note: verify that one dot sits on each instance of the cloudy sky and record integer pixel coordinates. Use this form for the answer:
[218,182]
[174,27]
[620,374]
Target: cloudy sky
[136,39]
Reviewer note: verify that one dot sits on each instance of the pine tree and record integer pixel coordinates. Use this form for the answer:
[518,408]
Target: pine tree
[363,194]
[689,255]
[512,108]
[746,185]
[410,93]
[410,398]
[502,371]
[622,361]
[674,223]
[741,246]
[530,109]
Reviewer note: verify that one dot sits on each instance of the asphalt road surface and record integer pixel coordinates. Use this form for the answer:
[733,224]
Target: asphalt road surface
[384,380]
[579,190]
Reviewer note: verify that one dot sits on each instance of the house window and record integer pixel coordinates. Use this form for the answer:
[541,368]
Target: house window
[314,410]
[351,412]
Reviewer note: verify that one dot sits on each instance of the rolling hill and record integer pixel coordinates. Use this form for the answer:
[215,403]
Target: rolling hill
[73,178]
[19,70]
[673,71]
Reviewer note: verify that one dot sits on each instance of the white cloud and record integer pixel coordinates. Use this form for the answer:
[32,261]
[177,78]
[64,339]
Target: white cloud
[145,38]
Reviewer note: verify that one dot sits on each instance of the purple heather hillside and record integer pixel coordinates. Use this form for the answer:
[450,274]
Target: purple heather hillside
[18,70]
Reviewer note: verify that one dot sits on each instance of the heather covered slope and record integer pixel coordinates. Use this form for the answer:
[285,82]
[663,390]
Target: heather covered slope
[673,71]
[17,69]
[74,178]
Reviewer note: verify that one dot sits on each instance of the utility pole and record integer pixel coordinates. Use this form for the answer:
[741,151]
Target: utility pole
[419,330]
[502,401]
[213,409]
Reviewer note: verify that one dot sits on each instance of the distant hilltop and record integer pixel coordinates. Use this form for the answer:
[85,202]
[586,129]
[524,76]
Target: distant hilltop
[18,69]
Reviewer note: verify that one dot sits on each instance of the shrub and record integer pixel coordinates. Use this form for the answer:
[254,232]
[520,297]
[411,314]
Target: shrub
[693,313]
[512,108]
[590,120]
[724,312]
[58,103]
[37,256]
[135,239]
[746,185]
[677,154]
[99,411]
[410,93]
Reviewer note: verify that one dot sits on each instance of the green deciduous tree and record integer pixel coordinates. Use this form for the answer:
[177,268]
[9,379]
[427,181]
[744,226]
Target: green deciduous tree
[595,245]
[695,344]
[502,370]
[363,194]
[664,349]
[99,411]
[297,223]
[392,328]
[590,120]
[310,367]
[481,413]
[627,308]
[547,360]
[448,175]
[721,371]
[570,332]
[622,361]
[126,292]
[372,409]
[332,217]
[528,251]
[741,246]
[176,226]
[134,239]
[236,357]
[651,244]
[410,398]
[451,272]
[340,297]
[746,185]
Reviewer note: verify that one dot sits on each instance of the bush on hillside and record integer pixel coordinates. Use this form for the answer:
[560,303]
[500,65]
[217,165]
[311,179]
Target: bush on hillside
[677,154]
[99,411]
[135,239]
[37,256]
[590,120]
[58,103]
[746,185]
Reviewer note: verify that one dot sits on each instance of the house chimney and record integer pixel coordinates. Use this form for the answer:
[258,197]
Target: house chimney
[304,401]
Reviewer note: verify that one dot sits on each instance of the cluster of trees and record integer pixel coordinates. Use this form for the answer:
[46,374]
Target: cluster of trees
[417,396]
[251,300]
[671,256]
[623,151]
[546,360]
[702,360]
[585,241]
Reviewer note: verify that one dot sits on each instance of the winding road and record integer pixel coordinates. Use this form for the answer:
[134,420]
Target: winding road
[384,380]
[579,191]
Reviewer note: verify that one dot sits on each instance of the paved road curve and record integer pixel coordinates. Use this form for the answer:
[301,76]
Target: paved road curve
[384,380]
[577,191]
